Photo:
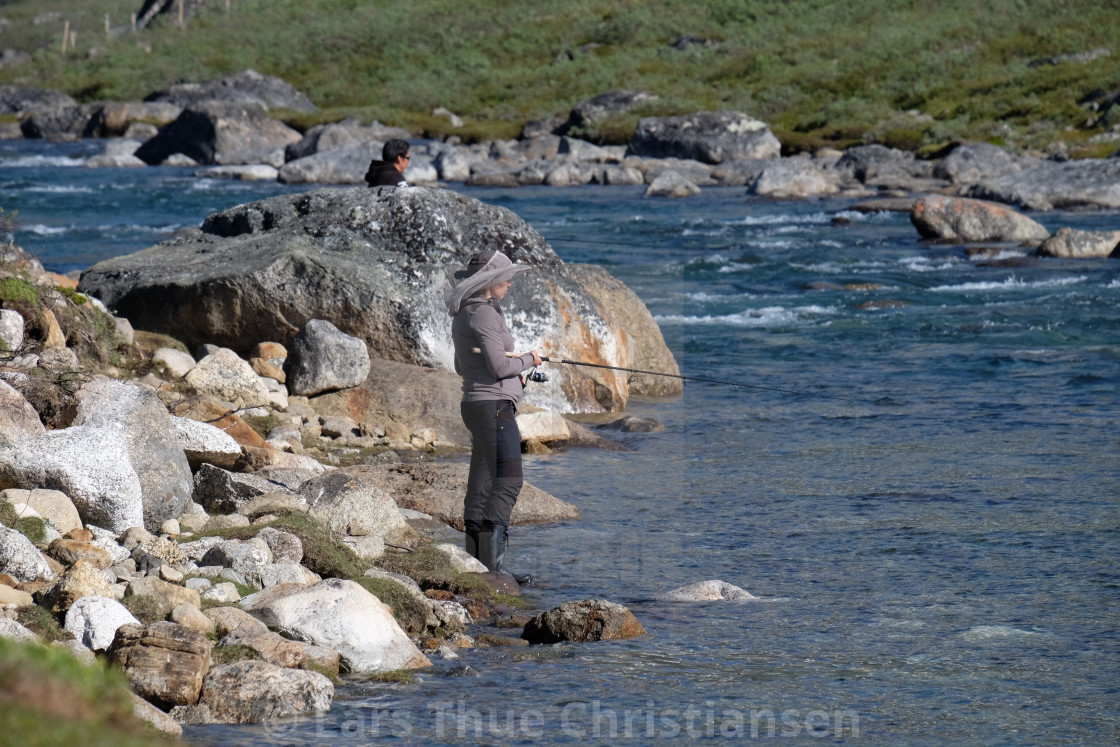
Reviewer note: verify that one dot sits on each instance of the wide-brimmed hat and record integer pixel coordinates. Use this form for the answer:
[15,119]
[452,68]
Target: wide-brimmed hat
[484,270]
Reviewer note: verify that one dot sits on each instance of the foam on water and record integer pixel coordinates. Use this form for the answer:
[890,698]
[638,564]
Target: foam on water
[771,315]
[1012,283]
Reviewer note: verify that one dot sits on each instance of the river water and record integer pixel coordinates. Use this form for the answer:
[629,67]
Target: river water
[920,479]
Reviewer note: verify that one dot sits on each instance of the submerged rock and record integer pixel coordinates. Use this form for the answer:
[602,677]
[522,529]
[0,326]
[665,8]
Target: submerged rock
[707,591]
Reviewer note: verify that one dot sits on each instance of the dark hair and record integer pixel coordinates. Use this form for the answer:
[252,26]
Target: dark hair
[393,150]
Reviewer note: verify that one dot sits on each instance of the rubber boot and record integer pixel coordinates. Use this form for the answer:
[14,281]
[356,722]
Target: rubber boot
[470,542]
[487,551]
[495,556]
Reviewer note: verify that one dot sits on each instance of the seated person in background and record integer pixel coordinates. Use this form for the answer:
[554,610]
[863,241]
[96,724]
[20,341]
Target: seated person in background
[389,171]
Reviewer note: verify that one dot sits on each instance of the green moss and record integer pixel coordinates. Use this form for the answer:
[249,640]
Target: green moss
[396,676]
[48,697]
[72,295]
[32,527]
[409,612]
[262,424]
[145,608]
[330,674]
[17,291]
[42,622]
[228,654]
[432,570]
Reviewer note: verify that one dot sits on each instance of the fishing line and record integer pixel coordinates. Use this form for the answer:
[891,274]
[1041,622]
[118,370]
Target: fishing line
[737,384]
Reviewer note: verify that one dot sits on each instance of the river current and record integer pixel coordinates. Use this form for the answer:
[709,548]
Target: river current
[920,479]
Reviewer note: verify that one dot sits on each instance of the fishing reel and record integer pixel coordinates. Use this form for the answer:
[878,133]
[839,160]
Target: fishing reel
[537,376]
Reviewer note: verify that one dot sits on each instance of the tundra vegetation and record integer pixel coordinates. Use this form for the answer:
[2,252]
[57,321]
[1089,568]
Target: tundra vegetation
[909,75]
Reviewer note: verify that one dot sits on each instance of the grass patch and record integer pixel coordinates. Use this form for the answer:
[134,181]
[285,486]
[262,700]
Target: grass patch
[17,292]
[42,622]
[432,570]
[262,424]
[828,68]
[145,608]
[330,674]
[228,654]
[48,697]
[32,527]
[72,295]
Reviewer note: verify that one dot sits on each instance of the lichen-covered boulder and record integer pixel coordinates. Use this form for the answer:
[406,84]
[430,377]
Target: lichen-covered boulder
[247,692]
[372,263]
[963,219]
[711,137]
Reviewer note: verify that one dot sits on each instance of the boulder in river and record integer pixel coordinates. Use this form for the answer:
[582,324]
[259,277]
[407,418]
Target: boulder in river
[1071,243]
[222,133]
[373,262]
[962,219]
[1051,185]
[585,621]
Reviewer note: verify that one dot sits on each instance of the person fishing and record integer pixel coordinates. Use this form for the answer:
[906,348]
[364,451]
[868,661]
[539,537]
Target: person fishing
[492,387]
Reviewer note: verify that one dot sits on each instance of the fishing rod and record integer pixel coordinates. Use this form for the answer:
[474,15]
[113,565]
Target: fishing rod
[736,384]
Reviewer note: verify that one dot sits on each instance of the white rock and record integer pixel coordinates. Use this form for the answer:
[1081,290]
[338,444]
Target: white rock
[11,329]
[177,363]
[204,443]
[171,526]
[460,560]
[546,426]
[20,559]
[224,375]
[13,631]
[707,591]
[94,621]
[20,421]
[672,184]
[246,173]
[340,614]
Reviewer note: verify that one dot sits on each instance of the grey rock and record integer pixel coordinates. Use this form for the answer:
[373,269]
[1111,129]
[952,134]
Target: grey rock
[94,621]
[223,492]
[226,376]
[343,164]
[52,505]
[326,137]
[18,99]
[1055,186]
[321,357]
[672,184]
[177,362]
[202,443]
[114,119]
[351,504]
[221,133]
[707,591]
[156,718]
[452,166]
[971,162]
[285,546]
[11,329]
[794,178]
[962,219]
[246,558]
[13,631]
[711,137]
[247,86]
[876,164]
[150,440]
[91,464]
[261,269]
[19,558]
[66,123]
[247,692]
[1071,243]
[18,419]
[587,115]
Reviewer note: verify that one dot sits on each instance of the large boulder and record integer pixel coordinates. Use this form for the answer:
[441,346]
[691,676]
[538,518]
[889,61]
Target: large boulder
[113,118]
[248,692]
[64,123]
[711,137]
[203,443]
[342,615]
[220,133]
[326,137]
[165,662]
[150,440]
[962,219]
[345,164]
[245,87]
[1054,186]
[91,464]
[582,622]
[1071,243]
[875,164]
[372,262]
[225,375]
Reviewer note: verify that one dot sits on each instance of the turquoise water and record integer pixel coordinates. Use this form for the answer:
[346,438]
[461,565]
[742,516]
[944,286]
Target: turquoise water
[929,510]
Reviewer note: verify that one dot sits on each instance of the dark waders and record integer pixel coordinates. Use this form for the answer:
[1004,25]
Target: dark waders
[495,478]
